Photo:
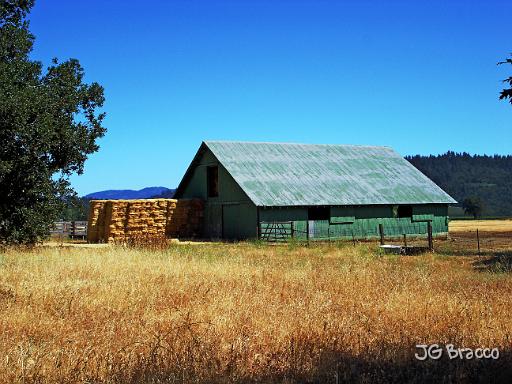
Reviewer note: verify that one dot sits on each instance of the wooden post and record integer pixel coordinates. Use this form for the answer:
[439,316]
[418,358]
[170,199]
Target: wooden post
[258,223]
[405,240]
[478,241]
[430,242]
[293,233]
[307,230]
[353,239]
[381,233]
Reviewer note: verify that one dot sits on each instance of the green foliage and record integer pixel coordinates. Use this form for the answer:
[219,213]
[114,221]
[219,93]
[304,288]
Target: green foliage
[49,124]
[76,209]
[487,178]
[507,92]
[472,206]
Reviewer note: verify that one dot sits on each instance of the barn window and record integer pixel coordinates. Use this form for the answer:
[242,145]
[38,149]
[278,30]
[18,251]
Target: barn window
[212,181]
[318,213]
[404,211]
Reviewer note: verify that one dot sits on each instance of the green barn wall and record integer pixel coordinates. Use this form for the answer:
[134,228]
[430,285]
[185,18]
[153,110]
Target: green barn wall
[361,222]
[283,214]
[231,215]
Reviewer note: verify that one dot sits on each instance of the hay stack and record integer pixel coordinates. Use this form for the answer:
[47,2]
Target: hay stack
[96,225]
[186,220]
[121,220]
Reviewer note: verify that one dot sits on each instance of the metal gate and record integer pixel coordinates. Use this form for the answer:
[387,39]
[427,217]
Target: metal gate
[274,231]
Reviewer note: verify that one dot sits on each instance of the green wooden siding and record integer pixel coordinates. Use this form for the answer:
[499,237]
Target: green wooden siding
[231,215]
[239,221]
[363,224]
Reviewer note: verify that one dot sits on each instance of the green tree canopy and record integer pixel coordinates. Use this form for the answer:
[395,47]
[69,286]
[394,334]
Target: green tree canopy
[472,206]
[49,124]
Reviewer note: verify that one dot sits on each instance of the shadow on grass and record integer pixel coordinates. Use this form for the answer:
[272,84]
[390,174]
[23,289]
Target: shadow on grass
[487,261]
[494,262]
[336,367]
[349,369]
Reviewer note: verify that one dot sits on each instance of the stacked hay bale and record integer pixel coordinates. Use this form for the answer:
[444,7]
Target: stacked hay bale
[146,218]
[115,216]
[187,219]
[96,225]
[124,220]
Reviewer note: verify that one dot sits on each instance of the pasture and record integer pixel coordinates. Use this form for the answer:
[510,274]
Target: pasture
[504,225]
[251,312]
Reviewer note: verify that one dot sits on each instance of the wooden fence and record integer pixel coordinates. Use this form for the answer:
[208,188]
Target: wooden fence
[72,229]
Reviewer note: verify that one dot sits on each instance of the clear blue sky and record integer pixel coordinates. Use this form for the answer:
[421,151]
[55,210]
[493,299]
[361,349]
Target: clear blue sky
[418,76]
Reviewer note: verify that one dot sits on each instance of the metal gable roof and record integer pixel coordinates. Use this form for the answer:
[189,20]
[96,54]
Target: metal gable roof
[276,174]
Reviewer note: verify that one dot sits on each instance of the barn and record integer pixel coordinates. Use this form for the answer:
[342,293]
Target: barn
[312,191]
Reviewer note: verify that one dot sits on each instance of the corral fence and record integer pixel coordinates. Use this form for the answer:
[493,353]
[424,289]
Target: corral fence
[71,229]
[323,230]
[406,239]
[416,238]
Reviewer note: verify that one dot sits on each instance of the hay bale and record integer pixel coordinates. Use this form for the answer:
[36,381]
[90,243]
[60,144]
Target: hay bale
[96,221]
[121,220]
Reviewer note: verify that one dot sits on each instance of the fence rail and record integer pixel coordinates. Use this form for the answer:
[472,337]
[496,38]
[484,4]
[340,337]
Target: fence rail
[278,231]
[73,229]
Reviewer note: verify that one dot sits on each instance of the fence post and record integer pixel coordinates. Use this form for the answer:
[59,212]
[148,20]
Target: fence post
[478,241]
[405,240]
[258,223]
[430,242]
[381,233]
[353,239]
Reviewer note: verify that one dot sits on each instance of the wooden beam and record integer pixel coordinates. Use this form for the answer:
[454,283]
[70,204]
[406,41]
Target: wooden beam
[381,234]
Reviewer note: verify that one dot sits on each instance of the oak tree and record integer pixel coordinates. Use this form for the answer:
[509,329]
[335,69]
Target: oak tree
[49,124]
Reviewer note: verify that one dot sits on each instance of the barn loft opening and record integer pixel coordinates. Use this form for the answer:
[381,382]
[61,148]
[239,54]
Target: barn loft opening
[212,181]
[318,213]
[404,211]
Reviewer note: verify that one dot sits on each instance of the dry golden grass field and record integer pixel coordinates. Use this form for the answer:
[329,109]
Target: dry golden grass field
[482,225]
[250,312]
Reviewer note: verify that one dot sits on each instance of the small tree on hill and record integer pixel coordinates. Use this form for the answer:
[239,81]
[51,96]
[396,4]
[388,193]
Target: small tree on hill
[472,206]
[49,124]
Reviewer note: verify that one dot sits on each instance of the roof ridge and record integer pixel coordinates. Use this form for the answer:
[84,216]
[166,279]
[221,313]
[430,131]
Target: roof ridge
[294,143]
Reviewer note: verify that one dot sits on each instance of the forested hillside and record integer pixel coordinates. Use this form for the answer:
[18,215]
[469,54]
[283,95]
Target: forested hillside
[488,178]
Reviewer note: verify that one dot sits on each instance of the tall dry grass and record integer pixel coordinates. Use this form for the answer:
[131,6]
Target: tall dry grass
[246,313]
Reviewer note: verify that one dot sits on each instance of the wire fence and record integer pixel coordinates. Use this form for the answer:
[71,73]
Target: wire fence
[409,238]
[480,241]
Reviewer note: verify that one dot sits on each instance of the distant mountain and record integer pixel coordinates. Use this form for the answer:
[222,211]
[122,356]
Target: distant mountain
[169,194]
[129,194]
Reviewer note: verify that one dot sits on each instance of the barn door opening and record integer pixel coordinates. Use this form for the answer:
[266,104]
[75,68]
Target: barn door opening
[231,221]
[214,221]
